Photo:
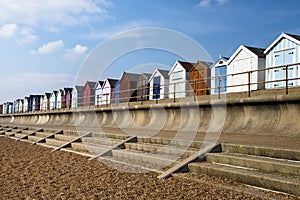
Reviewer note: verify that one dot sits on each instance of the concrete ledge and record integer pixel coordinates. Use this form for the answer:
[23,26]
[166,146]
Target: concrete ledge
[256,178]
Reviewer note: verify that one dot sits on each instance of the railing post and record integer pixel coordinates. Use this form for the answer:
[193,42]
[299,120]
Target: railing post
[219,87]
[286,80]
[174,93]
[156,95]
[195,90]
[142,95]
[106,100]
[249,83]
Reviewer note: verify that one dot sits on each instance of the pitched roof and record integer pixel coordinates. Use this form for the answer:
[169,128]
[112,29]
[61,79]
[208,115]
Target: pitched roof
[164,73]
[297,37]
[206,64]
[291,37]
[98,83]
[68,90]
[145,76]
[48,95]
[91,84]
[132,77]
[79,88]
[186,65]
[112,82]
[258,51]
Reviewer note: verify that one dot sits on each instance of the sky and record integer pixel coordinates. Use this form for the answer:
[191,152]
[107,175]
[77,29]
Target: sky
[46,44]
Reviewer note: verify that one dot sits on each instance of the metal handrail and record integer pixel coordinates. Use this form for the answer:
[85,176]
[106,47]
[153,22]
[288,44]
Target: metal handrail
[114,98]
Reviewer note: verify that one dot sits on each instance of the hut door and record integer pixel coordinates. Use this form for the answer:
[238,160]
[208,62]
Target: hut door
[156,87]
[221,71]
[278,72]
[288,59]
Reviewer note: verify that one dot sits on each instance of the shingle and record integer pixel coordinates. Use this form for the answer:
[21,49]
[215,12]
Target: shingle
[186,65]
[258,51]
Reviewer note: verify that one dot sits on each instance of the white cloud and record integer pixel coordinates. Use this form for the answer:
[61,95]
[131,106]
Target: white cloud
[8,30]
[78,49]
[204,3]
[208,3]
[76,54]
[22,35]
[53,12]
[50,47]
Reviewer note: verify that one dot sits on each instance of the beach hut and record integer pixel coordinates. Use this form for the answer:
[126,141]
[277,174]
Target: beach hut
[108,88]
[16,106]
[285,50]
[218,74]
[41,102]
[179,77]
[4,106]
[200,78]
[59,99]
[128,87]
[77,96]
[25,107]
[98,93]
[10,107]
[21,105]
[158,83]
[38,102]
[115,97]
[89,93]
[143,87]
[31,103]
[53,100]
[46,101]
[66,97]
[243,60]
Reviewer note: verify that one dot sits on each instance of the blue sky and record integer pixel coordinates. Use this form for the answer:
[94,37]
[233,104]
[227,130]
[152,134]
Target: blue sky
[44,44]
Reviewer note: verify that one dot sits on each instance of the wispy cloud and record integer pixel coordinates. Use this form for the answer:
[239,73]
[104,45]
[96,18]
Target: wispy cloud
[8,30]
[49,48]
[208,3]
[53,12]
[114,30]
[22,35]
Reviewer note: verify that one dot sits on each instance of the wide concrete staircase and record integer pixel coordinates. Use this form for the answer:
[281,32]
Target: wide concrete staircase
[157,154]
[270,168]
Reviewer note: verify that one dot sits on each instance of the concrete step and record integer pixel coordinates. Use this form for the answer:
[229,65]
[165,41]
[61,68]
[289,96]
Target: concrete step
[112,136]
[161,160]
[82,153]
[161,149]
[172,142]
[100,141]
[273,181]
[71,133]
[20,135]
[26,132]
[34,138]
[257,162]
[65,137]
[46,145]
[88,148]
[262,151]
[55,142]
[8,133]
[43,134]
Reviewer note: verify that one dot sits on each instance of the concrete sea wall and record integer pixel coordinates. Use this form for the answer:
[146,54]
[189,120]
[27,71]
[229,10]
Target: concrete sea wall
[279,114]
